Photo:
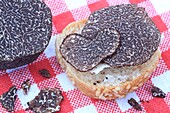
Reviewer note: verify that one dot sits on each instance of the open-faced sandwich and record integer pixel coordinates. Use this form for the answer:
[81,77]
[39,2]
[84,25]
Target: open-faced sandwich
[111,53]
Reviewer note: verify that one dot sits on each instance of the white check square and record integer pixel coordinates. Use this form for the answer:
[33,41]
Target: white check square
[161,6]
[162,81]
[50,50]
[73,4]
[32,93]
[86,109]
[65,82]
[123,102]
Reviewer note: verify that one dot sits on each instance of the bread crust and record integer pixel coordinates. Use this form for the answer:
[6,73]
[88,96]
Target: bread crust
[101,91]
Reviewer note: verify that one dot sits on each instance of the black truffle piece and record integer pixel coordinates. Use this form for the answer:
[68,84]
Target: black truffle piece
[85,54]
[47,101]
[26,86]
[45,73]
[25,31]
[8,99]
[134,104]
[157,92]
[139,37]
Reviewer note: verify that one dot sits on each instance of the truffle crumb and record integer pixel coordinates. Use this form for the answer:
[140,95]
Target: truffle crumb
[45,73]
[157,92]
[134,104]
[26,86]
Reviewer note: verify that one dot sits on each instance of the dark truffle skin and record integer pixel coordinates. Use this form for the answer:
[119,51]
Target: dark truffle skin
[85,54]
[25,31]
[139,37]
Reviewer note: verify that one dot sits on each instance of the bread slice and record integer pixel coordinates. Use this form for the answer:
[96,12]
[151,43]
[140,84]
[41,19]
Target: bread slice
[109,83]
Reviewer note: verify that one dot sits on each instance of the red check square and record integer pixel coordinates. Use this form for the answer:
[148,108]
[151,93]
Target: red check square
[55,65]
[156,105]
[135,1]
[166,57]
[159,23]
[5,83]
[35,67]
[160,69]
[98,5]
[78,99]
[40,57]
[65,105]
[62,20]
[94,101]
[81,13]
[108,106]
[52,82]
[19,76]
[144,92]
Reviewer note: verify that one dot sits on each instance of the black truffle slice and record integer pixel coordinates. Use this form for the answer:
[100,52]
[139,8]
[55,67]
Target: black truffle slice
[139,37]
[8,99]
[85,54]
[25,30]
[47,101]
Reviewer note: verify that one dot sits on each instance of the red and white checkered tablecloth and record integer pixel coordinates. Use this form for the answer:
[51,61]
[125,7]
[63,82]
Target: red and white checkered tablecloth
[66,11]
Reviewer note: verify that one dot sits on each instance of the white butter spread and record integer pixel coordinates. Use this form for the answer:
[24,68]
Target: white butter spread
[99,68]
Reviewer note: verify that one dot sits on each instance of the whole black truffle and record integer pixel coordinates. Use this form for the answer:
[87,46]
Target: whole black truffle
[25,31]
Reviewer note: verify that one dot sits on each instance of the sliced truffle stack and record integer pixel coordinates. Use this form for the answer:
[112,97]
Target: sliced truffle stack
[25,31]
[139,39]
[111,53]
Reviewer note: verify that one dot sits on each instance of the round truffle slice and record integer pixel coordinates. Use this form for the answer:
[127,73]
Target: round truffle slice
[25,31]
[139,36]
[85,54]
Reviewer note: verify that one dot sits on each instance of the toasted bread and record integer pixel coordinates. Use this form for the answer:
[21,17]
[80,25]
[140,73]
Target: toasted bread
[109,83]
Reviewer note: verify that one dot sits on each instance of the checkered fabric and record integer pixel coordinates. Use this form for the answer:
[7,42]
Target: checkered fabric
[66,11]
